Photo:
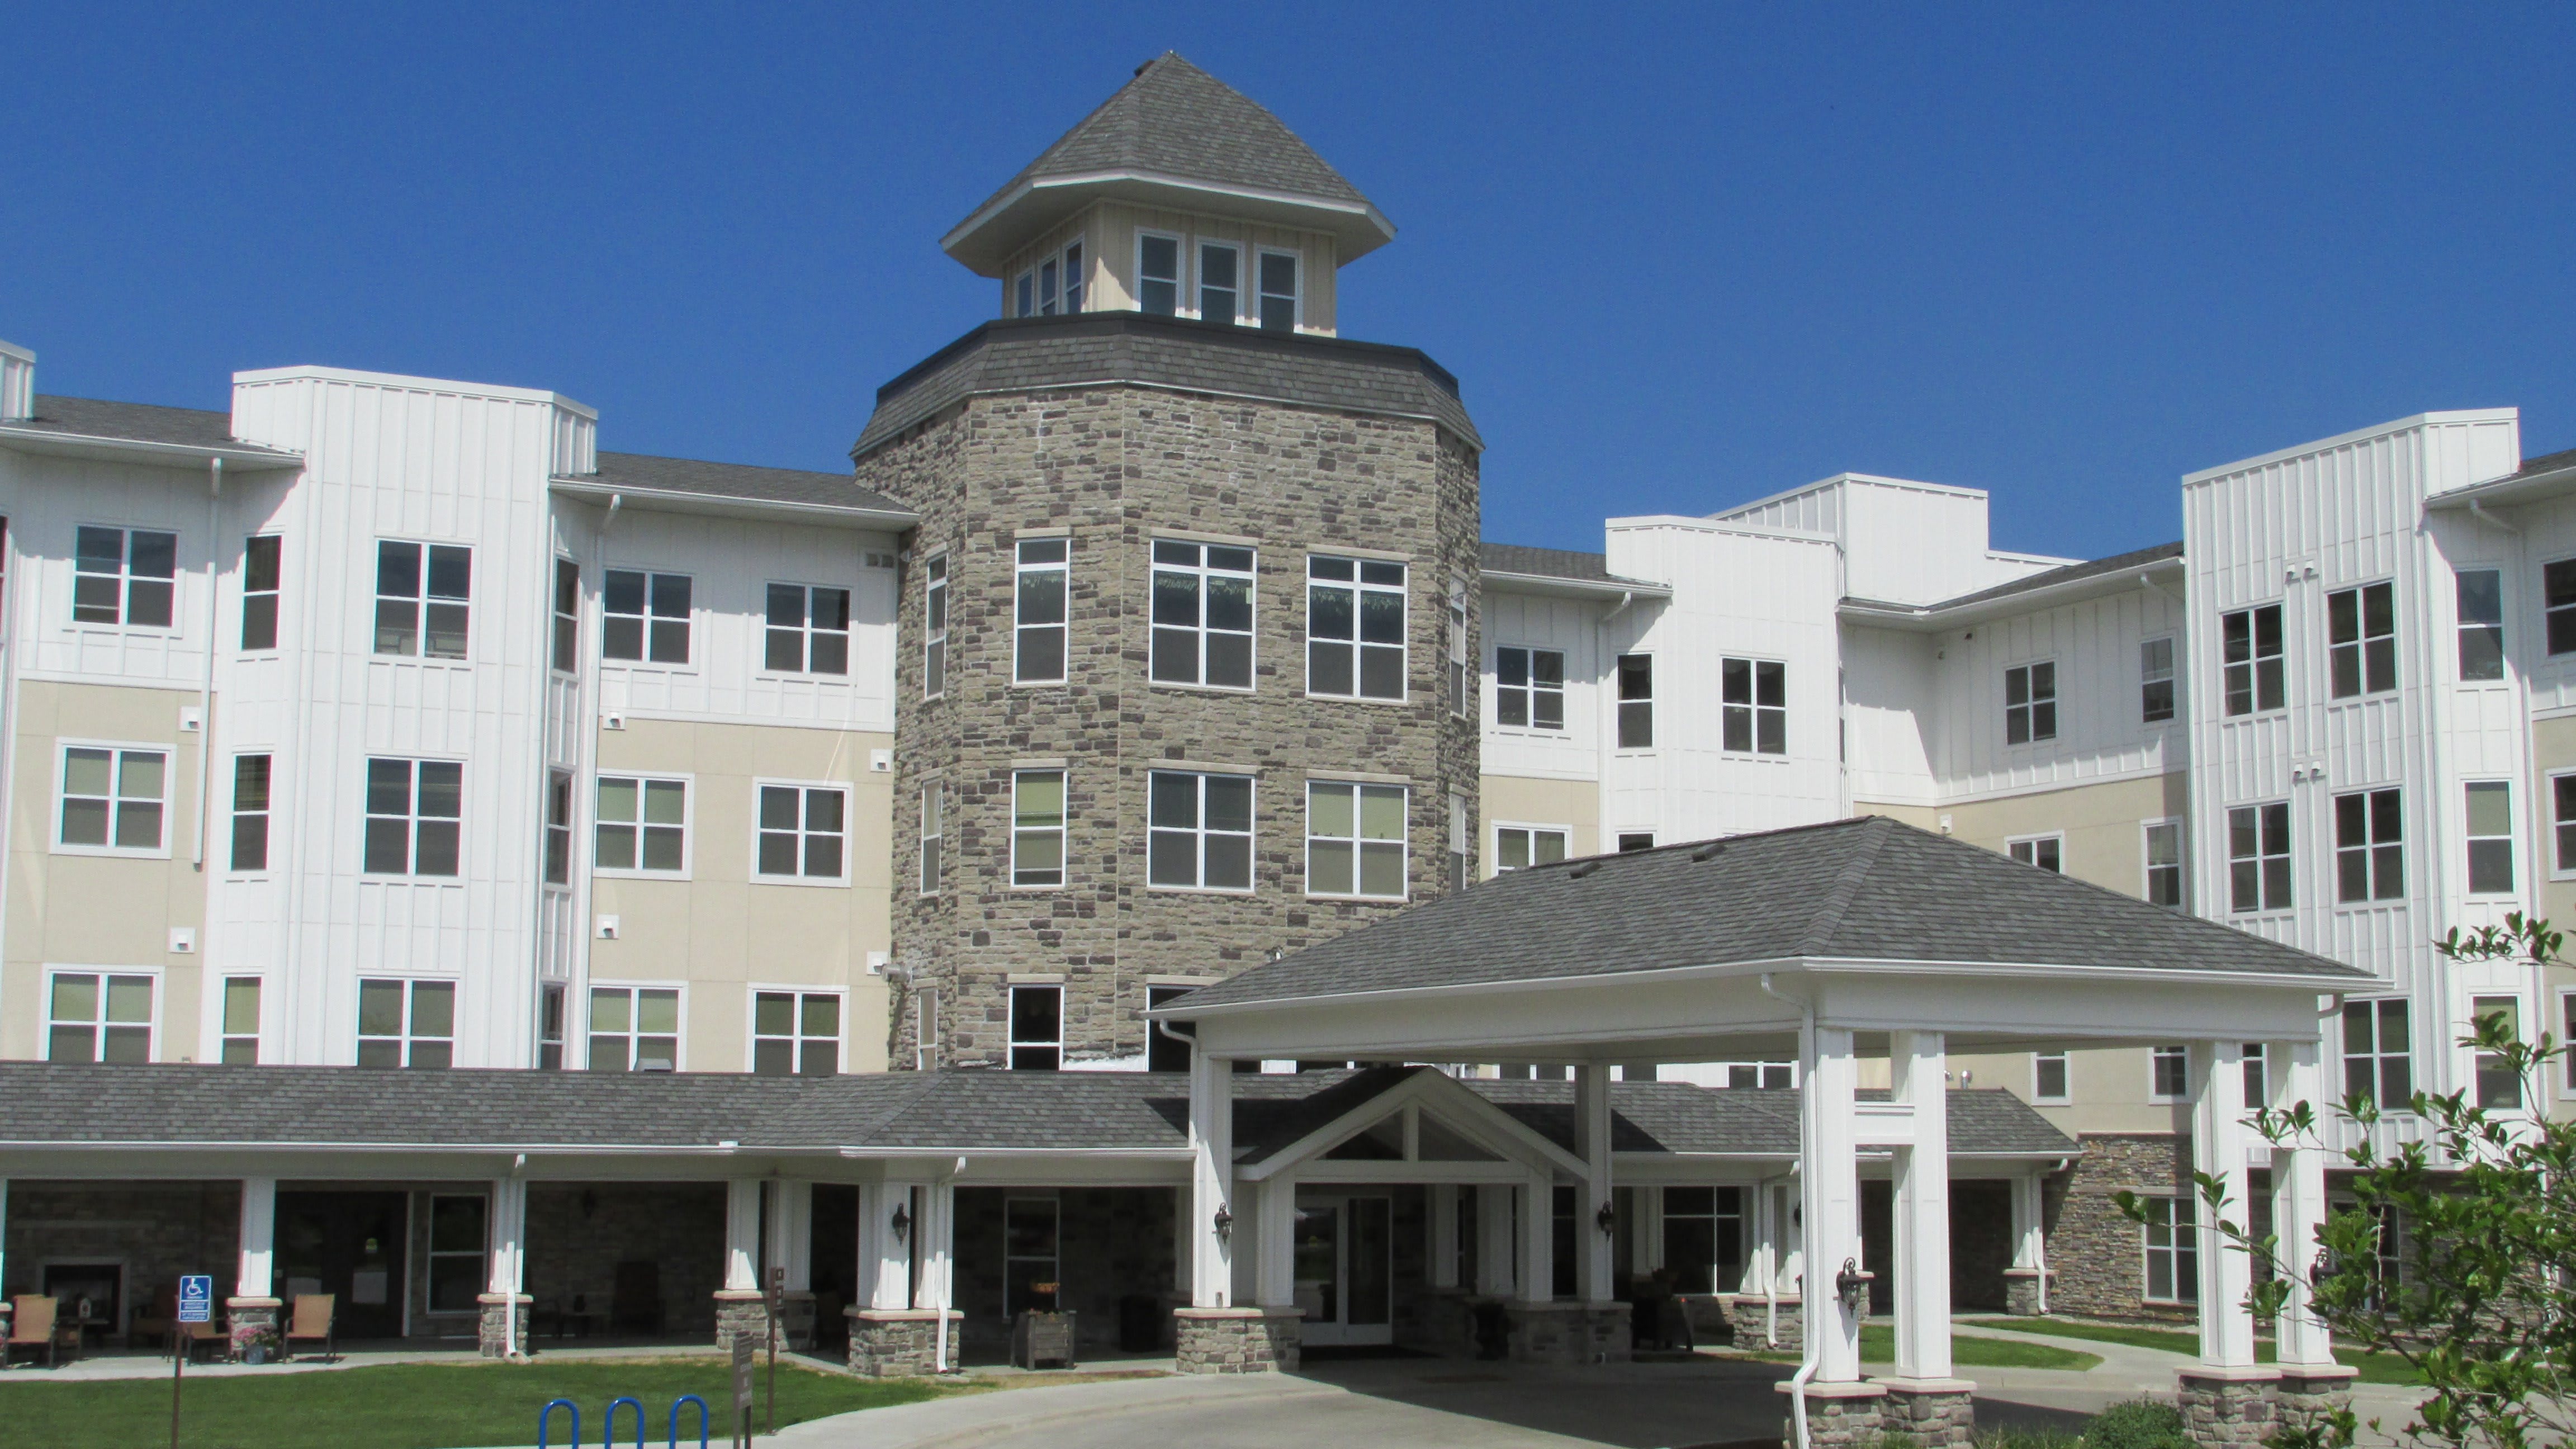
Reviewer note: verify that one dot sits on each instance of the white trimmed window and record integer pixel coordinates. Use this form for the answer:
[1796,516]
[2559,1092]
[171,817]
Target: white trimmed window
[1459,700]
[1760,1076]
[2156,680]
[1199,831]
[114,801]
[100,1016]
[1032,1236]
[933,837]
[422,593]
[1355,642]
[2378,1052]
[2258,1084]
[2498,1088]
[1037,828]
[803,833]
[2030,702]
[415,817]
[2163,842]
[240,1045]
[2172,1251]
[2558,587]
[550,1029]
[2258,858]
[1037,1028]
[1203,607]
[2361,641]
[1281,306]
[2567,1033]
[459,1239]
[1220,282]
[1040,586]
[796,1033]
[634,1028]
[2048,852]
[1518,847]
[1053,286]
[2251,662]
[1632,841]
[1529,688]
[2490,837]
[2048,1077]
[644,617]
[2168,1074]
[644,825]
[1703,1237]
[1355,843]
[1636,701]
[1753,706]
[934,631]
[126,576]
[250,812]
[261,565]
[2479,594]
[1158,274]
[567,621]
[407,1024]
[2562,799]
[2370,846]
[559,827]
[1462,831]
[807,630]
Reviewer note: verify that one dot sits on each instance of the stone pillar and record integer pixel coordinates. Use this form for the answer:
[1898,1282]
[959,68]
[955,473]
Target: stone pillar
[1830,1185]
[1922,1208]
[889,1343]
[1443,1247]
[1841,1415]
[252,1310]
[889,1336]
[738,1303]
[503,1332]
[1537,1272]
[1494,1240]
[1274,1243]
[1236,1340]
[1212,1181]
[2218,1147]
[790,1208]
[2026,1281]
[2307,1394]
[1595,1258]
[2227,1405]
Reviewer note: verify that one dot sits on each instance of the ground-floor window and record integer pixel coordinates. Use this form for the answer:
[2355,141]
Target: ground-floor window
[1032,1233]
[457,1243]
[2172,1251]
[1566,1235]
[1704,1238]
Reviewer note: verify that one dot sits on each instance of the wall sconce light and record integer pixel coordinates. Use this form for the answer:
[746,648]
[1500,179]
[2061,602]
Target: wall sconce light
[1224,1223]
[1607,1218]
[1852,1284]
[902,1221]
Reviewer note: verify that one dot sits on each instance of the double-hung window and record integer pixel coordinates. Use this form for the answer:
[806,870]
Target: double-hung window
[2499,1086]
[2562,797]
[1202,614]
[1037,1028]
[550,1029]
[795,1033]
[240,1044]
[407,1024]
[2558,589]
[808,630]
[1753,706]
[2172,1250]
[2030,702]
[459,1240]
[415,817]
[1042,580]
[559,827]
[2361,641]
[1053,285]
[1279,299]
[2490,837]
[1220,282]
[934,627]
[2048,1081]
[2250,644]
[2378,1052]
[803,833]
[2258,857]
[2168,1073]
[98,1016]
[2156,680]
[1518,847]
[567,622]
[634,1028]
[1529,688]
[933,836]
[250,812]
[2164,862]
[1458,655]
[2480,597]
[1355,842]
[644,617]
[1032,1236]
[2258,1083]
[1037,828]
[1354,628]
[124,576]
[422,591]
[261,565]
[1199,831]
[1158,274]
[644,825]
[114,800]
[2048,852]
[1636,677]
[2370,850]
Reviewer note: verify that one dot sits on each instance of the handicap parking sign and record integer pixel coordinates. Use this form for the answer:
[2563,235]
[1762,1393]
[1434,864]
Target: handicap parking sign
[197,1298]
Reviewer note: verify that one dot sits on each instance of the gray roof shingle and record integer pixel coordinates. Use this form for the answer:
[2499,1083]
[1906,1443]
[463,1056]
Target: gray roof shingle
[1869,889]
[2052,578]
[690,476]
[134,422]
[1551,563]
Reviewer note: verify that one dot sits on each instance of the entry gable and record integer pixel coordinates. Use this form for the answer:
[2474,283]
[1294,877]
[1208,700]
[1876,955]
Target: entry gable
[1451,1124]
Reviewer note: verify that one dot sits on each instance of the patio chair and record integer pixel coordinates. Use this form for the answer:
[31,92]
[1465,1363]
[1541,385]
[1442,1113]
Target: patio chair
[157,1324]
[35,1324]
[312,1319]
[197,1337]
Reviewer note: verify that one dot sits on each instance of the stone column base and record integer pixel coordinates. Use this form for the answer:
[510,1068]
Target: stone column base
[2226,1406]
[1570,1333]
[1839,1416]
[2308,1393]
[898,1343]
[1935,1413]
[503,1335]
[1237,1340]
[2025,1292]
[1750,1319]
[741,1310]
[256,1336]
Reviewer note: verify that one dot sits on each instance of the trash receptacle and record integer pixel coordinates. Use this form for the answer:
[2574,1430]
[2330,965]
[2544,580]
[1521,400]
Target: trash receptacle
[1140,1324]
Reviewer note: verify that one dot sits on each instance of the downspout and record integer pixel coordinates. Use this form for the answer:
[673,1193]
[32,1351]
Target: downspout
[206,685]
[947,1265]
[1808,1338]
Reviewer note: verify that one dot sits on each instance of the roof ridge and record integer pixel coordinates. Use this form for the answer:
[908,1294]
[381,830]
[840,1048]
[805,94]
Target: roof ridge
[1837,897]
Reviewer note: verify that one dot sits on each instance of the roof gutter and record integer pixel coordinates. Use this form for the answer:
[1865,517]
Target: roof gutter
[1951,614]
[593,490]
[37,440]
[1621,589]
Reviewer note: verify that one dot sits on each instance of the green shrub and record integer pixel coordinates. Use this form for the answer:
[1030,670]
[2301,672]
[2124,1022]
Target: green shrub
[2137,1424]
[2016,1436]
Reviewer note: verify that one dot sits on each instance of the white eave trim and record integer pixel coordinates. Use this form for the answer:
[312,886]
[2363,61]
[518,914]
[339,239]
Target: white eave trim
[1552,585]
[2346,440]
[1927,617]
[55,443]
[2505,492]
[1363,213]
[496,392]
[593,490]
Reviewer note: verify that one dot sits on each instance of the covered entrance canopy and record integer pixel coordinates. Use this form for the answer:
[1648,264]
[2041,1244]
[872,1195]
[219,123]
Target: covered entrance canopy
[1858,938]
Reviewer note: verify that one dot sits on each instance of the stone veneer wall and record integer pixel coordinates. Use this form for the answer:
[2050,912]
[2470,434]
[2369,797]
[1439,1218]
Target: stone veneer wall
[680,1226]
[1112,1243]
[1117,465]
[2096,1256]
[158,1230]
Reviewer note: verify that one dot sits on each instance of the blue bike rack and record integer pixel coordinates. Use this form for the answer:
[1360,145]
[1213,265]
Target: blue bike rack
[608,1430]
[548,1412]
[675,1419]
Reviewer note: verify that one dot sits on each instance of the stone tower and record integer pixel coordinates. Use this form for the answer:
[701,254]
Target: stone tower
[1187,627]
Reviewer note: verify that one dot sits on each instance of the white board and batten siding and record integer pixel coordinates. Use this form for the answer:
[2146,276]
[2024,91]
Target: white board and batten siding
[2102,733]
[1901,541]
[1542,621]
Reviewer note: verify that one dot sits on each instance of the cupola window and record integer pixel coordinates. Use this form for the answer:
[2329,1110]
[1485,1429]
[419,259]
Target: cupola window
[1279,291]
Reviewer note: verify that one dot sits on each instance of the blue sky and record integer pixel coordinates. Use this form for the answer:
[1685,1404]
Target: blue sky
[1679,258]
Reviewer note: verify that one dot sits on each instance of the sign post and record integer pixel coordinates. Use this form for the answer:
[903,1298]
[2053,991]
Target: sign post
[741,1390]
[196,1305]
[770,1301]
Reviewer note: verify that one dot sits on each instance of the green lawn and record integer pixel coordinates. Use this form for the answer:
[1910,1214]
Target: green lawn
[1878,1345]
[2376,1368]
[416,1406]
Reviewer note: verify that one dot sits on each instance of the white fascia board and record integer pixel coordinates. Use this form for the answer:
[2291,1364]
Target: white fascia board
[1487,1124]
[2511,490]
[1360,222]
[1932,618]
[1874,480]
[2344,440]
[493,391]
[22,354]
[1723,527]
[1550,586]
[49,442]
[725,506]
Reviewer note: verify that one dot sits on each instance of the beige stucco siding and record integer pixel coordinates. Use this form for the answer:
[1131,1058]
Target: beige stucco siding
[76,910]
[722,934]
[1519,800]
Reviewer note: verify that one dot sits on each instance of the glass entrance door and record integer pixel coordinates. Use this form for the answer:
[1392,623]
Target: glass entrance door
[1345,1267]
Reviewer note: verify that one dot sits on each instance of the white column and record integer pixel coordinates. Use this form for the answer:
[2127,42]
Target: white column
[1444,1235]
[1594,1255]
[938,1227]
[257,1276]
[1494,1240]
[885,1256]
[2218,1143]
[2298,1201]
[509,1235]
[1274,1241]
[1916,1060]
[1212,1180]
[4,1232]
[791,1232]
[742,1235]
[2030,1229]
[1830,1184]
[1538,1239]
